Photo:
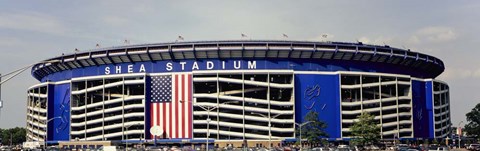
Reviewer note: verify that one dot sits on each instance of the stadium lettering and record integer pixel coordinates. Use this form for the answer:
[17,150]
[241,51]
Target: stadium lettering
[195,66]
[142,68]
[130,69]
[170,66]
[209,65]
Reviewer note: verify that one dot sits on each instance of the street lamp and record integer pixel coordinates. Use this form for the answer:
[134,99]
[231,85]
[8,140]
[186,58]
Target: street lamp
[395,135]
[269,126]
[460,134]
[17,72]
[208,131]
[126,140]
[1,102]
[300,125]
[208,109]
[446,140]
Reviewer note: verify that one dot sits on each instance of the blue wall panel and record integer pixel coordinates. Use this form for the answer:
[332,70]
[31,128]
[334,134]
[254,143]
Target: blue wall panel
[430,109]
[59,106]
[148,98]
[422,109]
[319,93]
[50,111]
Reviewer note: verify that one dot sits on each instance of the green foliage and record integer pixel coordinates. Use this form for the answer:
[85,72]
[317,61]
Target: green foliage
[314,131]
[365,130]
[324,142]
[297,143]
[468,142]
[473,118]
[435,141]
[16,135]
[425,143]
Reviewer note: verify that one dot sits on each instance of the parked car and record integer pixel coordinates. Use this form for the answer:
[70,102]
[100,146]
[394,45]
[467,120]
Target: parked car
[343,148]
[319,149]
[358,148]
[432,148]
[421,148]
[382,146]
[403,148]
[443,149]
[474,147]
[372,147]
[2,148]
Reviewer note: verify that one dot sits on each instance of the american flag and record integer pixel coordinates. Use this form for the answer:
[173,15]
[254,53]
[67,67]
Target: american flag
[171,105]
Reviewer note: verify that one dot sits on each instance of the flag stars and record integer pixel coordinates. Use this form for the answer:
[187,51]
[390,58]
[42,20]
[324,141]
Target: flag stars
[161,88]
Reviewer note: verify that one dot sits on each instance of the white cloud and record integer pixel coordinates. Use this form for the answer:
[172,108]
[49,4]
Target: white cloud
[381,40]
[32,22]
[365,40]
[476,73]
[413,40]
[433,34]
[459,73]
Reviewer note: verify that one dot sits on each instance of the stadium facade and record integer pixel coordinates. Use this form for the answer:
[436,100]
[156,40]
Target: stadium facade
[255,90]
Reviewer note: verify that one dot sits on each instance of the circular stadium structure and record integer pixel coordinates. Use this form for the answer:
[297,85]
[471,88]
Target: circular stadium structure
[235,90]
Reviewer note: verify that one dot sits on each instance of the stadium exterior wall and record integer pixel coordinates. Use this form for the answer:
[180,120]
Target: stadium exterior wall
[408,103]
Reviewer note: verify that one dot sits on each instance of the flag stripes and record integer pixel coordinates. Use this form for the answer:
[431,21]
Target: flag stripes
[171,105]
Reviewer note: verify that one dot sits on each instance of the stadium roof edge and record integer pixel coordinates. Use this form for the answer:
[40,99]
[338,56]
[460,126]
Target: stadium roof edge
[228,41]
[84,55]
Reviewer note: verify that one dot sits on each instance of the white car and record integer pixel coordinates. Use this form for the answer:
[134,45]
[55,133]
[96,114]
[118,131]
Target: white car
[443,149]
[319,149]
[473,146]
[343,148]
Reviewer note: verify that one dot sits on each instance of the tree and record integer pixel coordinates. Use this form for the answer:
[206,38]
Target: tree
[473,118]
[365,130]
[19,135]
[315,130]
[13,135]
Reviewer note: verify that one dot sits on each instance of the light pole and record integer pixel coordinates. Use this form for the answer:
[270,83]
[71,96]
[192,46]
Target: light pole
[11,138]
[17,72]
[208,109]
[269,126]
[126,140]
[301,125]
[395,138]
[460,133]
[208,131]
[446,140]
[45,136]
[1,102]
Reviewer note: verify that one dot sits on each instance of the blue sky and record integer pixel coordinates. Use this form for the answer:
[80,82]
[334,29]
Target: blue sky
[31,31]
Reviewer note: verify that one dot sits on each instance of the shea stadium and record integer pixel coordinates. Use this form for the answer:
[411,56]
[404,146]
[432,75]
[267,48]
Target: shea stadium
[235,90]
